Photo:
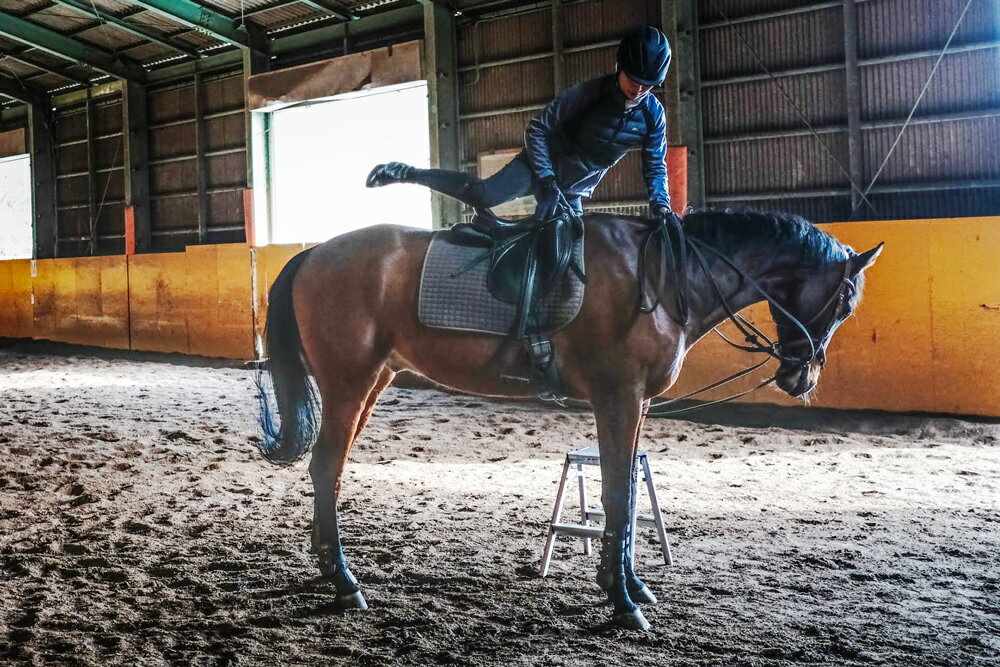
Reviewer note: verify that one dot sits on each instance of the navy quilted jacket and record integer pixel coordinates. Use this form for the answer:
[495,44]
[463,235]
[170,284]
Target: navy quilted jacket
[587,129]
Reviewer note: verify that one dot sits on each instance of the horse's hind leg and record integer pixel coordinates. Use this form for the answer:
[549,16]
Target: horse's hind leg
[348,402]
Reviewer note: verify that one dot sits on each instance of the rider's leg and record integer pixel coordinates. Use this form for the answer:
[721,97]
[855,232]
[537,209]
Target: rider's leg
[514,180]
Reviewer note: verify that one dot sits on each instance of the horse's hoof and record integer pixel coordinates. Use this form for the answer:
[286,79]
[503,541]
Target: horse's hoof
[631,620]
[643,596]
[353,600]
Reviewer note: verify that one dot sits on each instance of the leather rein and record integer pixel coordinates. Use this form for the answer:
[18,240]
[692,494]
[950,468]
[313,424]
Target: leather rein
[673,263]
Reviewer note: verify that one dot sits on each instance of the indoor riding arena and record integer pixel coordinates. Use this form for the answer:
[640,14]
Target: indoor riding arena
[500,332]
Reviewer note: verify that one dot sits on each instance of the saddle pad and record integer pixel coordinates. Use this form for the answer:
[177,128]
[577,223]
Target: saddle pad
[462,302]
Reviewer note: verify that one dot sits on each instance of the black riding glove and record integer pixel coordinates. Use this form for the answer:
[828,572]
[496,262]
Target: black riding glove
[661,212]
[549,199]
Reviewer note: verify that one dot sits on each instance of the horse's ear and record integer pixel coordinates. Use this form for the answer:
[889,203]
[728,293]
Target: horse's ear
[861,262]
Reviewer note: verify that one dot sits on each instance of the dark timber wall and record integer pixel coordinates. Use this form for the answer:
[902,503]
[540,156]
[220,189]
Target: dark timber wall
[759,151]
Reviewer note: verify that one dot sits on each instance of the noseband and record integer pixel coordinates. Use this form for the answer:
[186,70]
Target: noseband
[751,334]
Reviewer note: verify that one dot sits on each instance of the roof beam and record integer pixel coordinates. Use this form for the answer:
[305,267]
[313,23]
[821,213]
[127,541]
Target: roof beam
[16,89]
[194,15]
[131,28]
[19,57]
[58,44]
[320,38]
[334,8]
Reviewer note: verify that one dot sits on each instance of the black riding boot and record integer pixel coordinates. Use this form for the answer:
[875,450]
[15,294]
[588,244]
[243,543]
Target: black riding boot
[456,184]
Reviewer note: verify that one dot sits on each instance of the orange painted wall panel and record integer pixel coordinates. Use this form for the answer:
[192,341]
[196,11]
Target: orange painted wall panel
[965,297]
[16,308]
[82,300]
[157,284]
[268,262]
[219,301]
[195,302]
[881,357]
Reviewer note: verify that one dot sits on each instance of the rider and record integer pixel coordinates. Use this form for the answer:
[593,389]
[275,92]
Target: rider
[574,141]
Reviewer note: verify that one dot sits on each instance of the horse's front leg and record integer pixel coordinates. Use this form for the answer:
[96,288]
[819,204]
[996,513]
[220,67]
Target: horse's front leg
[618,412]
[637,590]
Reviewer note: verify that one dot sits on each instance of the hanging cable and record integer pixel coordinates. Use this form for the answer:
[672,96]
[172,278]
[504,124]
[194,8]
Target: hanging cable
[791,100]
[920,98]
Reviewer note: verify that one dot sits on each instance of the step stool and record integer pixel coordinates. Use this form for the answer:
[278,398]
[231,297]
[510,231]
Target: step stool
[590,456]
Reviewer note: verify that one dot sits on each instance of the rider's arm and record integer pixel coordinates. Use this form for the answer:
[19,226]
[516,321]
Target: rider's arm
[654,156]
[550,120]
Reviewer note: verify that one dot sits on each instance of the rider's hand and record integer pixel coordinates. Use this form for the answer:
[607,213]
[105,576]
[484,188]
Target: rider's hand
[549,198]
[661,212]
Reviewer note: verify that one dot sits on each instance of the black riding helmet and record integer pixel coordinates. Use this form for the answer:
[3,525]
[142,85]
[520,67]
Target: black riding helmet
[644,55]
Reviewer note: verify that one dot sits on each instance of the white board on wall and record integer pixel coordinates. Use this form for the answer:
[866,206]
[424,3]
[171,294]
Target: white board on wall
[15,207]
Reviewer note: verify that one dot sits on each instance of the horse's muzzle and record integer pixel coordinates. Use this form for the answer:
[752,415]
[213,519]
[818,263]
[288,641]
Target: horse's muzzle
[797,379]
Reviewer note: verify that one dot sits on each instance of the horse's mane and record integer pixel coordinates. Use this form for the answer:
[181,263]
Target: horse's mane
[729,230]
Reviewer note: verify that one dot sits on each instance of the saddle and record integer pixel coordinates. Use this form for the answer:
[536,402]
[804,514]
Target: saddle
[526,260]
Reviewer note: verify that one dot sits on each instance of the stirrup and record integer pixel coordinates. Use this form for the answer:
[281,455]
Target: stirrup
[543,368]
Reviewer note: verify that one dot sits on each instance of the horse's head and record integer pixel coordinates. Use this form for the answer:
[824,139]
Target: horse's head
[815,303]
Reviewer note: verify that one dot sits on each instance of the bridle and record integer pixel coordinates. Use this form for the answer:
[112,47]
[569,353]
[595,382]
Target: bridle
[751,334]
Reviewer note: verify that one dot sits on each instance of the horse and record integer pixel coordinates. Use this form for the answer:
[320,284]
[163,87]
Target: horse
[343,320]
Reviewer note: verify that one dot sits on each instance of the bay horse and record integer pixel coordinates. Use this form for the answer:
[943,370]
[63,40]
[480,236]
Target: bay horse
[345,313]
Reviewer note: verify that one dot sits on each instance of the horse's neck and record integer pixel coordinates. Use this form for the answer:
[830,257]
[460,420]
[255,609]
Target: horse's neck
[708,309]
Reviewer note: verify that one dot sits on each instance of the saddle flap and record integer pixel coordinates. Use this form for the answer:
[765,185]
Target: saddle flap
[531,262]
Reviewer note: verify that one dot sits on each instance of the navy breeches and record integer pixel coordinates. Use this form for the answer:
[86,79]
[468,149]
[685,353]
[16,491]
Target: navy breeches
[514,180]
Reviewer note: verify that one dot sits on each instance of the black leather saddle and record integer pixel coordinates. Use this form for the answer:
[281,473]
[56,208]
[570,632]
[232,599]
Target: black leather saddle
[527,259]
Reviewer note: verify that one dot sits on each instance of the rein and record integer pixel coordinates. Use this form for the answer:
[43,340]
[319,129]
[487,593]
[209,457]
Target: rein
[751,334]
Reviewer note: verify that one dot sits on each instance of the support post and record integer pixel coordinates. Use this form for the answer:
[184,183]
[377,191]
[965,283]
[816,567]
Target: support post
[42,146]
[135,129]
[199,150]
[91,178]
[671,87]
[256,60]
[689,88]
[558,67]
[440,55]
[855,144]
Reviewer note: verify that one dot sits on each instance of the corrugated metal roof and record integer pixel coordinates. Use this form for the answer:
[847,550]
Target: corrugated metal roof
[588,64]
[759,105]
[708,10]
[777,165]
[946,157]
[588,22]
[818,209]
[935,204]
[81,25]
[964,81]
[886,27]
[813,38]
[493,133]
[519,35]
[935,152]
[512,85]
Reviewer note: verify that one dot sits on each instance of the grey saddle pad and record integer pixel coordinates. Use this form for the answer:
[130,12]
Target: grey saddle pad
[462,302]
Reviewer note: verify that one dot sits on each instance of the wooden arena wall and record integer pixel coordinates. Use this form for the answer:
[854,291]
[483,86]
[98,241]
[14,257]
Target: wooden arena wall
[923,338]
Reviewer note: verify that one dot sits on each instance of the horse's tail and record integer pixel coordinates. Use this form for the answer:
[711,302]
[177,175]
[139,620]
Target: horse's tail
[291,389]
